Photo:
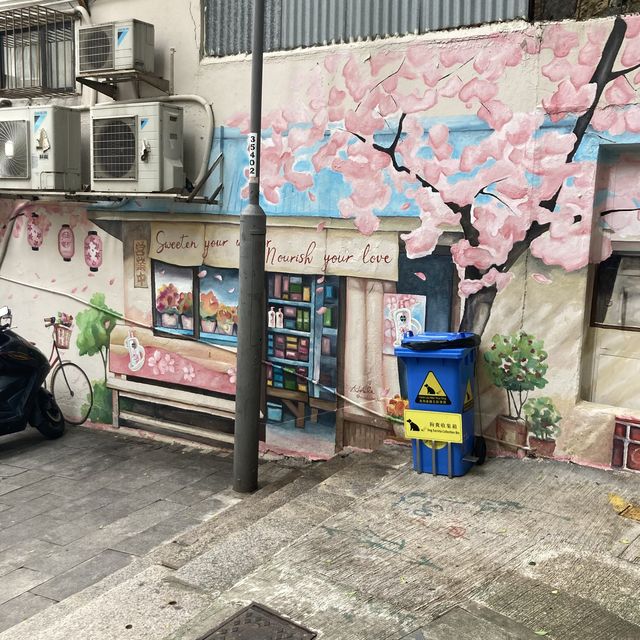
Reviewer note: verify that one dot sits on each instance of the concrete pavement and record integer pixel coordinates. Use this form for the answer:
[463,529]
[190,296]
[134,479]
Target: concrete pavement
[363,548]
[75,510]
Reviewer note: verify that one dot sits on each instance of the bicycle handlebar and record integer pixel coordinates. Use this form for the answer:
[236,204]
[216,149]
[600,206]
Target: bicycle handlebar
[49,322]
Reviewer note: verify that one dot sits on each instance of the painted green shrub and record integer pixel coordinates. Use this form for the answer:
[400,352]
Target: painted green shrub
[517,364]
[542,417]
[95,325]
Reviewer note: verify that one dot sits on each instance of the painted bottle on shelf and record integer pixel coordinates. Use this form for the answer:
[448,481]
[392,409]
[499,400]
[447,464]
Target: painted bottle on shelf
[279,319]
[271,318]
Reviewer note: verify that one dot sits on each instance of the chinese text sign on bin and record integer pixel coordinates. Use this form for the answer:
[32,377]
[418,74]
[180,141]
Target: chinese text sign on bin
[433,425]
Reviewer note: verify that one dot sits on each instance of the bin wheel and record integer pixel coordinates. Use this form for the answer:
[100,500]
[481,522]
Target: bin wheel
[480,449]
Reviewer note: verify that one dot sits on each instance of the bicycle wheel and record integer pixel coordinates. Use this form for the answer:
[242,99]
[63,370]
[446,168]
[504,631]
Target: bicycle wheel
[73,392]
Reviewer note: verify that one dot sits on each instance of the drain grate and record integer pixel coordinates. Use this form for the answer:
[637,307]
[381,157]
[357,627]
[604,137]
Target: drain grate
[257,622]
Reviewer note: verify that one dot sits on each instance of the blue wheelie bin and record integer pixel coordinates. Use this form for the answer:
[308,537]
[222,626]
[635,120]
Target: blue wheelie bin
[440,372]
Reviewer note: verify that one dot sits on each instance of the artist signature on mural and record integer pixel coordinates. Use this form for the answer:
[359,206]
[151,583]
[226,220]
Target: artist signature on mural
[364,391]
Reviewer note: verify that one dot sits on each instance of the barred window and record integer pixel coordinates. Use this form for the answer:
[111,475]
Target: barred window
[36,52]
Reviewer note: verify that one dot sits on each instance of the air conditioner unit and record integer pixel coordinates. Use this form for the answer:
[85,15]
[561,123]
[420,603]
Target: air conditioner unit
[40,148]
[116,46]
[136,147]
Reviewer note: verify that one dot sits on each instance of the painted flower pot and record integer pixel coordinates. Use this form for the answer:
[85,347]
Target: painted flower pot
[543,448]
[169,320]
[208,326]
[512,433]
[187,322]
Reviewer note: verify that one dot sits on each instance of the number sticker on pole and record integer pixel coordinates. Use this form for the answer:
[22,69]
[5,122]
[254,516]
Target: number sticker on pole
[251,150]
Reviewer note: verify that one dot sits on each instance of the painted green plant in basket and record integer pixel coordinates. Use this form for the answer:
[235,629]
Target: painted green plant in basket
[517,364]
[542,417]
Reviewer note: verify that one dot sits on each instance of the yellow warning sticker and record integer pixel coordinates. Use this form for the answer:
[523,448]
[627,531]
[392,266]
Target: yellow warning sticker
[468,397]
[431,391]
[433,425]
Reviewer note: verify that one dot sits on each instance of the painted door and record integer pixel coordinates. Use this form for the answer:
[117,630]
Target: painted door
[615,332]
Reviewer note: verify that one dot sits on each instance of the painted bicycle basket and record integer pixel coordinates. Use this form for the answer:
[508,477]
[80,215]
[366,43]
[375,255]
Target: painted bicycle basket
[62,336]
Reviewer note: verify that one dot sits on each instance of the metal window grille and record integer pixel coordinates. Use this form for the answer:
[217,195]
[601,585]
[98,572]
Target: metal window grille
[626,446]
[37,52]
[290,24]
[114,149]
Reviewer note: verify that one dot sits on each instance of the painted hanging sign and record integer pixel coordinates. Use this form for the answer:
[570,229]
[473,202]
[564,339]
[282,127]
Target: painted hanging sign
[140,252]
[288,249]
[357,255]
[180,244]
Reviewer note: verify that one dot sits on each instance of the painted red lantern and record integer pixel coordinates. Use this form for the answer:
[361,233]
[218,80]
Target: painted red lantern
[66,242]
[34,232]
[93,251]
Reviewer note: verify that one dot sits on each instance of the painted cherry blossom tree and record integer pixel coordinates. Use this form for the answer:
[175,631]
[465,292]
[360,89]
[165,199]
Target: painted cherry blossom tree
[518,186]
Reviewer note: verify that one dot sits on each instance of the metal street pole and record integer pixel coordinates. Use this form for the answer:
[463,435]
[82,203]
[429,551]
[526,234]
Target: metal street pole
[252,289]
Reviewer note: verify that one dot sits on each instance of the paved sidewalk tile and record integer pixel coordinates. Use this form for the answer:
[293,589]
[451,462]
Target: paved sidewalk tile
[83,575]
[141,543]
[19,554]
[76,509]
[6,470]
[20,608]
[17,582]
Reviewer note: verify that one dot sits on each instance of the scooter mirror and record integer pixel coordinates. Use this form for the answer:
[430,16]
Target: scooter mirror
[5,317]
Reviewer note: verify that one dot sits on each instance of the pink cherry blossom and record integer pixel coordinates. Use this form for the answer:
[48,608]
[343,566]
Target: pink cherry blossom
[479,89]
[559,39]
[567,99]
[541,278]
[619,92]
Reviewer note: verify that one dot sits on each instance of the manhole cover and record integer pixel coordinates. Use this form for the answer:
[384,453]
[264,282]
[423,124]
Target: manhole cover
[257,622]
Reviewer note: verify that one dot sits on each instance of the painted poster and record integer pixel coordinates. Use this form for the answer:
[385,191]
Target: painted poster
[218,303]
[402,313]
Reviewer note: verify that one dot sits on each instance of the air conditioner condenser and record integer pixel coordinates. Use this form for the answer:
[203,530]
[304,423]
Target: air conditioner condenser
[137,148]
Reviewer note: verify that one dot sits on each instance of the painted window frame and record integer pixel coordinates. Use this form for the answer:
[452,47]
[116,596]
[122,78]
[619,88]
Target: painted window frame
[197,334]
[624,437]
[597,292]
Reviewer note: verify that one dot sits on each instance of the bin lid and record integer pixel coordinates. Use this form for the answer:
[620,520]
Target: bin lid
[434,341]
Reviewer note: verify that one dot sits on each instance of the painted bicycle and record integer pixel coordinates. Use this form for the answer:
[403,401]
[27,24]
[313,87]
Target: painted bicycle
[69,384]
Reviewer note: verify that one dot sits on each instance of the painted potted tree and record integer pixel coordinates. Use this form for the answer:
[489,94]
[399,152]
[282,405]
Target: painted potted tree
[517,364]
[167,305]
[542,420]
[209,307]
[185,309]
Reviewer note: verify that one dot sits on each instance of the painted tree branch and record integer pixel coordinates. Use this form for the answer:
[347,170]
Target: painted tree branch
[476,315]
[470,232]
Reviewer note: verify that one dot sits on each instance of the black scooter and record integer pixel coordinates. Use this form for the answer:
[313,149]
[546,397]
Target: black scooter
[23,398]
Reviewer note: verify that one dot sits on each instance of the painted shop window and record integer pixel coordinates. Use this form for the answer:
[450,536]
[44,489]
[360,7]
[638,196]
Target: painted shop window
[218,296]
[617,292]
[213,318]
[173,302]
[433,276]
[626,446]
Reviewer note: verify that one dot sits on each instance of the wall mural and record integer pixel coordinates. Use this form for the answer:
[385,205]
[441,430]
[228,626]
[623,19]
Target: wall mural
[515,173]
[368,138]
[58,265]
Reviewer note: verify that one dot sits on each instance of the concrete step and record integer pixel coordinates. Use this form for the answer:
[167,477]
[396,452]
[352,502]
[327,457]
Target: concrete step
[194,568]
[470,622]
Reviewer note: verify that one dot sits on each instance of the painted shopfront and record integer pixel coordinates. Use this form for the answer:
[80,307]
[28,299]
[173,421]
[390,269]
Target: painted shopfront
[483,179]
